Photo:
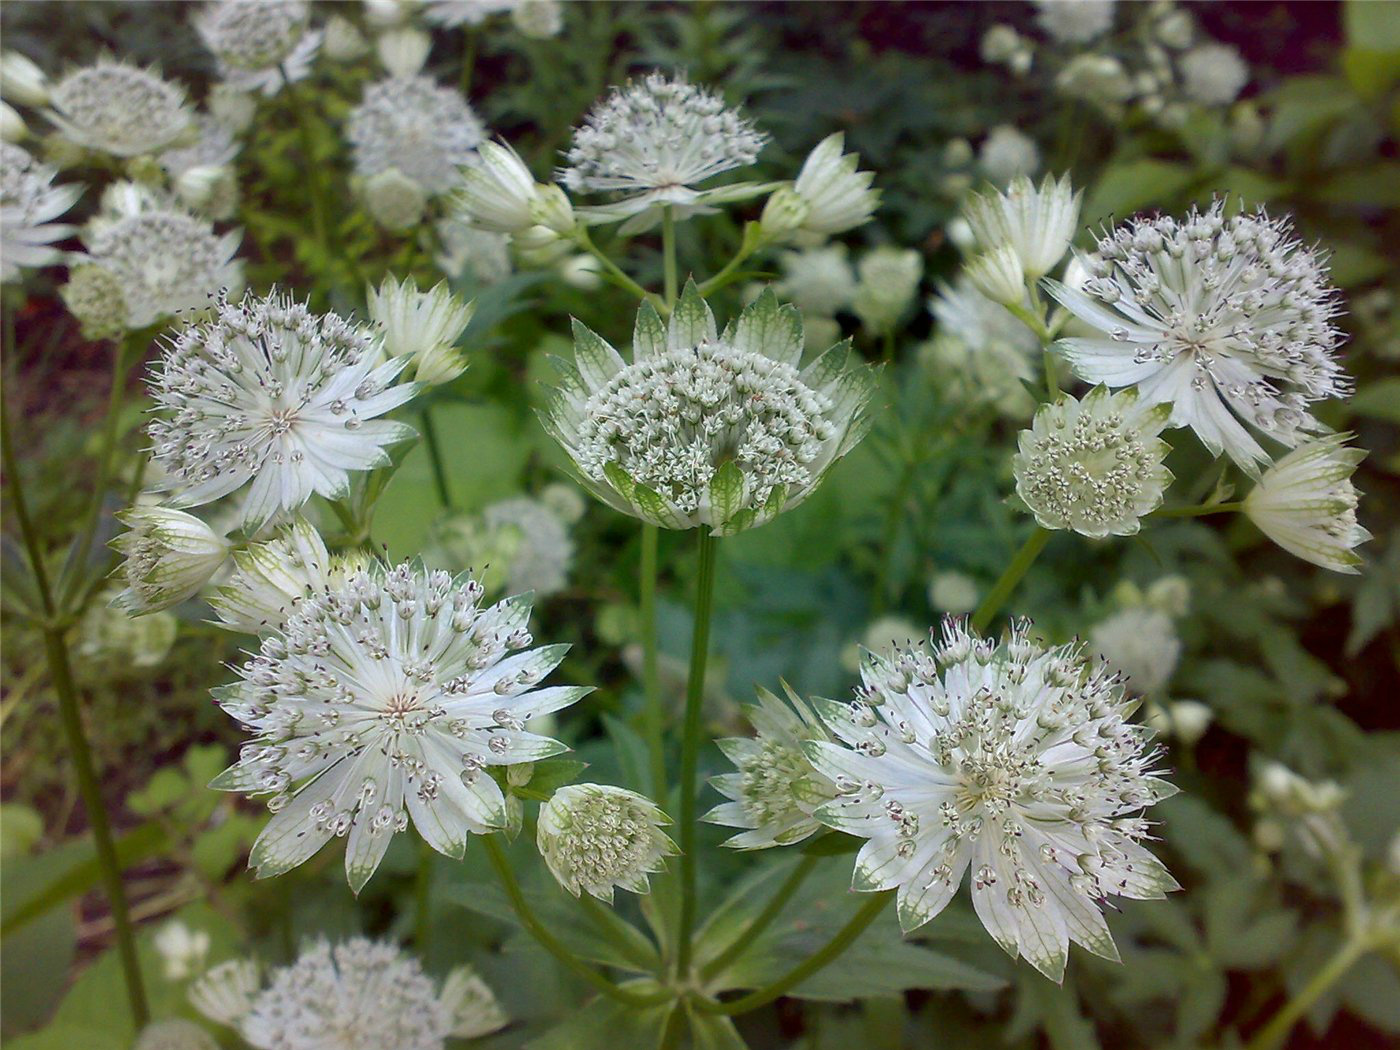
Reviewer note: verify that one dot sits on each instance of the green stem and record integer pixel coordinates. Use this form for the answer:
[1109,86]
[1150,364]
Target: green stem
[888,343]
[653,715]
[668,256]
[1052,382]
[723,277]
[1198,511]
[468,58]
[1031,321]
[303,104]
[617,273]
[690,743]
[1020,565]
[56,649]
[844,938]
[501,863]
[749,934]
[430,441]
[1273,1033]
[606,924]
[423,898]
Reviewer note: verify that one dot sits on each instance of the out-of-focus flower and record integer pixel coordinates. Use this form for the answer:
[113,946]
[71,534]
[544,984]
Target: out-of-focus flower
[12,126]
[174,1034]
[1141,643]
[425,131]
[28,203]
[518,545]
[260,44]
[93,296]
[170,556]
[1189,720]
[232,107]
[181,949]
[836,196]
[108,637]
[818,281]
[953,593]
[21,81]
[998,275]
[888,282]
[1213,74]
[538,19]
[595,837]
[403,51]
[117,108]
[980,354]
[1306,503]
[225,992]
[424,326]
[465,12]
[467,250]
[270,576]
[1074,21]
[1006,153]
[394,200]
[972,761]
[1098,79]
[501,195]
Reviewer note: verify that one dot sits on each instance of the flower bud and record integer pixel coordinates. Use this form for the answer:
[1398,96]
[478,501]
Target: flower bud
[403,51]
[998,275]
[93,295]
[595,837]
[394,200]
[21,81]
[12,126]
[170,556]
[343,42]
[837,195]
[1190,719]
[423,325]
[783,215]
[232,107]
[552,209]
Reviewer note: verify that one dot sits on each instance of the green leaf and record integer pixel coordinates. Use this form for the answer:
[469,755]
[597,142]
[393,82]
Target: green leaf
[606,1024]
[20,827]
[1200,1003]
[1126,187]
[714,1031]
[691,321]
[553,773]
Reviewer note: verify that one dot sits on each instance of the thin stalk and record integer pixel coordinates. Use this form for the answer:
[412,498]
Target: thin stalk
[1020,565]
[1198,511]
[888,343]
[690,742]
[668,256]
[314,187]
[501,863]
[1033,322]
[724,276]
[423,898]
[1273,1033]
[56,649]
[617,273]
[430,441]
[1052,382]
[605,923]
[843,939]
[750,933]
[653,716]
[468,58]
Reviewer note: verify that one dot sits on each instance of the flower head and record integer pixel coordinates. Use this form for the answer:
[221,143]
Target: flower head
[889,280]
[836,195]
[1225,319]
[107,635]
[538,19]
[1006,153]
[28,201]
[348,996]
[708,429]
[426,131]
[595,837]
[170,555]
[181,949]
[116,108]
[953,592]
[1093,466]
[384,700]
[981,353]
[1306,503]
[818,281]
[1140,642]
[518,544]
[164,259]
[502,196]
[1011,762]
[260,44]
[424,326]
[1075,21]
[775,788]
[1213,74]
[1037,224]
[270,396]
[655,140]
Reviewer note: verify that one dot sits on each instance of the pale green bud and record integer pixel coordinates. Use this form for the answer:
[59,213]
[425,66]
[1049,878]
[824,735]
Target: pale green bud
[394,200]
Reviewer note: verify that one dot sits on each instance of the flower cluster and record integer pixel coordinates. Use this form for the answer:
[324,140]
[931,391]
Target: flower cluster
[421,130]
[595,837]
[270,396]
[1011,763]
[516,545]
[28,203]
[385,700]
[260,44]
[1229,319]
[707,429]
[116,108]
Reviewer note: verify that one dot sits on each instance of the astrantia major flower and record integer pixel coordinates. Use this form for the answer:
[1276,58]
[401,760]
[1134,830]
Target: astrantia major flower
[348,996]
[706,429]
[1093,466]
[500,195]
[1213,74]
[1140,642]
[818,281]
[170,555]
[595,837]
[518,544]
[1306,503]
[270,396]
[260,44]
[889,280]
[829,195]
[775,788]
[425,326]
[1075,21]
[1006,153]
[163,258]
[654,141]
[981,354]
[1011,763]
[383,701]
[1225,319]
[1037,224]
[28,201]
[426,131]
[116,108]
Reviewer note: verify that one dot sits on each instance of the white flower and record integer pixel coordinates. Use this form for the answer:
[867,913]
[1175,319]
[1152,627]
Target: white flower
[108,635]
[22,81]
[403,51]
[1189,720]
[343,40]
[426,131]
[28,203]
[953,592]
[214,147]
[502,196]
[999,275]
[182,950]
[361,994]
[382,701]
[1094,466]
[1097,79]
[818,281]
[1306,503]
[394,200]
[706,429]
[170,555]
[225,993]
[1075,21]
[270,396]
[269,578]
[260,44]
[465,12]
[1012,763]
[889,280]
[465,249]
[538,19]
[1006,153]
[981,353]
[1000,44]
[595,837]
[475,1011]
[165,259]
[93,295]
[424,326]
[118,108]
[1225,319]
[1141,643]
[231,106]
[775,788]
[517,544]
[837,196]
[174,1034]
[654,141]
[1037,224]
[1213,74]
